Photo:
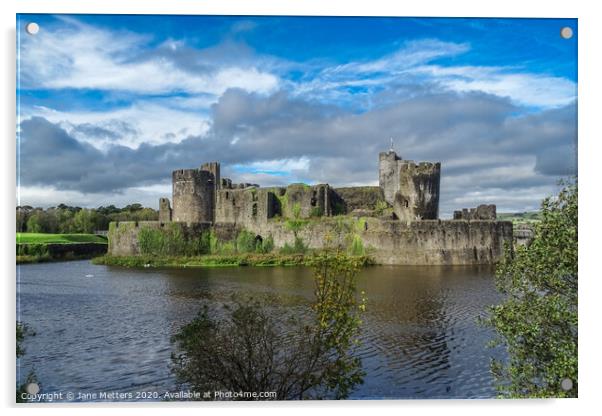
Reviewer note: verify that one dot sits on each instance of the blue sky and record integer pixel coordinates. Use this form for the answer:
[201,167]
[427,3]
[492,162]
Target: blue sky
[109,104]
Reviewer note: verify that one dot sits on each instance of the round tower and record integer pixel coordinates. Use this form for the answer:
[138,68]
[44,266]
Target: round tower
[193,195]
[388,174]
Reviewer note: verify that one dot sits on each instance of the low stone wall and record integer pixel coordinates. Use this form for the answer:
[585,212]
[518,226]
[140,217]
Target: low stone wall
[123,236]
[523,234]
[429,242]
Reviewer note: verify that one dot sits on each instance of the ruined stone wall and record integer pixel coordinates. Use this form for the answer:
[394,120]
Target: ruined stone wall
[164,210]
[411,188]
[523,234]
[193,195]
[312,201]
[438,242]
[432,242]
[482,212]
[241,206]
[214,169]
[250,205]
[388,174]
[360,197]
[123,235]
[418,197]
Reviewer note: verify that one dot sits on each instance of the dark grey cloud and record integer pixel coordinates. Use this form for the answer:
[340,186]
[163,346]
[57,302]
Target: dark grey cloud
[485,146]
[112,131]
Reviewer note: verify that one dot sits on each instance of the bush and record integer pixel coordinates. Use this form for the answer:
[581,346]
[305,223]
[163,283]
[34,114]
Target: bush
[246,349]
[537,321]
[266,246]
[357,246]
[381,207]
[297,210]
[246,242]
[172,241]
[40,250]
[315,212]
[298,247]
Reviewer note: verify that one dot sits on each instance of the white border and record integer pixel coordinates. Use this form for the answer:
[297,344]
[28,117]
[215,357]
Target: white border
[590,34]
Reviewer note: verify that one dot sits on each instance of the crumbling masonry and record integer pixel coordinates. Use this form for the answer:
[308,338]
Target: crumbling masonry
[400,217]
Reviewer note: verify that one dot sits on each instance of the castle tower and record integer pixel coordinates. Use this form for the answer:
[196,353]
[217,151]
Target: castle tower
[388,174]
[214,169]
[193,195]
[164,210]
[411,188]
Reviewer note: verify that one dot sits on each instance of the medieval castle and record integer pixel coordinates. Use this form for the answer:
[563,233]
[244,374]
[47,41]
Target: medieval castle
[400,217]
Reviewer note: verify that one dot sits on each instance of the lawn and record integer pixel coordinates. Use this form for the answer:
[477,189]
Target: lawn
[40,238]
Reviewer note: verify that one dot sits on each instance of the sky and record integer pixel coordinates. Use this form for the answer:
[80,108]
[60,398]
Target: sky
[108,106]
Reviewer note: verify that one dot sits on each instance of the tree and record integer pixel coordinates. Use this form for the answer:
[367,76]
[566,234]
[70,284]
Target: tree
[85,221]
[36,223]
[537,321]
[250,351]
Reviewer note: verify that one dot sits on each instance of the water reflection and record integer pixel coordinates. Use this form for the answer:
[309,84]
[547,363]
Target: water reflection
[111,331]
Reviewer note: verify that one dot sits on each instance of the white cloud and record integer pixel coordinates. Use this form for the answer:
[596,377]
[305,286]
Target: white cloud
[280,165]
[410,64]
[86,57]
[145,122]
[537,90]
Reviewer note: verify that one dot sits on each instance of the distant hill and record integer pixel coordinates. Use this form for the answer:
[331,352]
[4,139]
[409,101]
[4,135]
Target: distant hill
[520,217]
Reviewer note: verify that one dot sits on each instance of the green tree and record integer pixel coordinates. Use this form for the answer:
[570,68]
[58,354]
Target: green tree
[310,357]
[537,321]
[36,223]
[85,221]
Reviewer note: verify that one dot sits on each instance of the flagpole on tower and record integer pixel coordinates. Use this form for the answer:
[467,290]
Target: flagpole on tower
[391,149]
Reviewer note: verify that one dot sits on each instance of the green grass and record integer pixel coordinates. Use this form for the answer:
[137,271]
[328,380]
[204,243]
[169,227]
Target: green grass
[41,238]
[249,259]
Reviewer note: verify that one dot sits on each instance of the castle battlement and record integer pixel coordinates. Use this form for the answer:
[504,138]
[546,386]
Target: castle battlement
[397,221]
[411,189]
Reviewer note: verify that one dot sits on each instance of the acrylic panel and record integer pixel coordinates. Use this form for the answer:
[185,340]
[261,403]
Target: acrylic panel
[285,208]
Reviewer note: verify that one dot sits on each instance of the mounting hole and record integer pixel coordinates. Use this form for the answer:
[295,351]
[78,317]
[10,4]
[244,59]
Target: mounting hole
[566,32]
[566,384]
[32,388]
[32,28]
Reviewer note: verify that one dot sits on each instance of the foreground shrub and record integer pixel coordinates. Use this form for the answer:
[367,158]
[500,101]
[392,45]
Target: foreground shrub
[248,351]
[537,321]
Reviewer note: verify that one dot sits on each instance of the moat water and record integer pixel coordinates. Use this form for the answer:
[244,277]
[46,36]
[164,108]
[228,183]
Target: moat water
[107,329]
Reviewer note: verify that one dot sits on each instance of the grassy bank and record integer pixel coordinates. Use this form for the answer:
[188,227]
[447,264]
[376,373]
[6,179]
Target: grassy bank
[248,259]
[42,238]
[40,247]
[44,258]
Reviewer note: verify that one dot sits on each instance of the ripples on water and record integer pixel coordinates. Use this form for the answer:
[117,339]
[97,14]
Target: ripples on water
[102,328]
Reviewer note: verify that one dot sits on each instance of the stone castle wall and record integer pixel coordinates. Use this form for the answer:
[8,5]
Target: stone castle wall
[482,212]
[251,205]
[431,242]
[203,201]
[411,188]
[164,210]
[359,197]
[123,235]
[419,191]
[193,196]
